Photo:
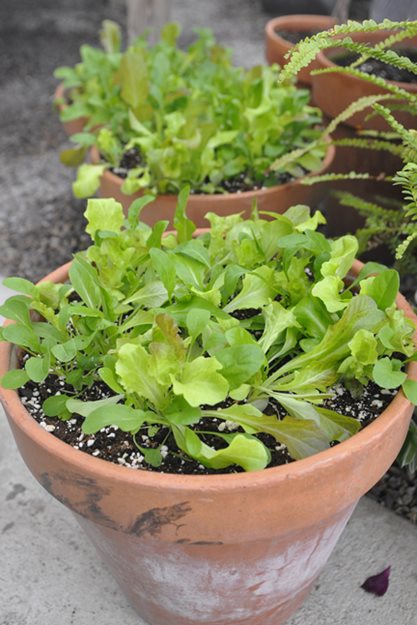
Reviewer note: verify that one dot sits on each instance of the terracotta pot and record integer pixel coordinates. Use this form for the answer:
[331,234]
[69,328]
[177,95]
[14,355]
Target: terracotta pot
[277,199]
[334,92]
[178,556]
[74,125]
[277,47]
[342,219]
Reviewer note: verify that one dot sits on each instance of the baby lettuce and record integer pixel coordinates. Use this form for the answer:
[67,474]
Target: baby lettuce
[157,318]
[191,116]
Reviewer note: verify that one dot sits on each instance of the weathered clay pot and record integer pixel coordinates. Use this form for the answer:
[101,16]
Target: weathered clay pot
[235,549]
[334,92]
[277,199]
[277,47]
[74,125]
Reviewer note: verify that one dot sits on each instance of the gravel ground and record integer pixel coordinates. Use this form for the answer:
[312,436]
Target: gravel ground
[41,224]
[397,491]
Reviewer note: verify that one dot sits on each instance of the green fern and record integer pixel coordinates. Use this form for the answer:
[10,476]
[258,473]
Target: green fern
[305,51]
[398,92]
[333,177]
[375,52]
[370,144]
[384,222]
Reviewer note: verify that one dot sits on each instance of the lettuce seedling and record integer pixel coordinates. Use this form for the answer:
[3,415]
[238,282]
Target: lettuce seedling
[187,117]
[180,328]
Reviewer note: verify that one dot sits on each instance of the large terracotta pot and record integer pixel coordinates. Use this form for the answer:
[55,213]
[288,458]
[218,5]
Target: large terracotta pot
[334,92]
[236,549]
[277,47]
[277,199]
[74,125]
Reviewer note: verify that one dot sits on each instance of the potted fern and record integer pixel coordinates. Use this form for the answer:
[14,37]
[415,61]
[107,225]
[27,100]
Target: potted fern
[176,117]
[156,381]
[369,59]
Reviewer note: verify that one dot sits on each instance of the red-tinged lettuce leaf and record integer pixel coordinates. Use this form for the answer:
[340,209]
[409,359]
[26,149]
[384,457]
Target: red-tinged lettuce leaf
[378,584]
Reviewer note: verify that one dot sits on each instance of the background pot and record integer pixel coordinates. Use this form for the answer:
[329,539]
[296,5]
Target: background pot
[320,7]
[277,47]
[179,558]
[334,92]
[74,125]
[277,199]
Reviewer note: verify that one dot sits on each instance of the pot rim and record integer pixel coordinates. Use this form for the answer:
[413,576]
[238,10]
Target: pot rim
[290,23]
[327,62]
[203,198]
[88,464]
[59,93]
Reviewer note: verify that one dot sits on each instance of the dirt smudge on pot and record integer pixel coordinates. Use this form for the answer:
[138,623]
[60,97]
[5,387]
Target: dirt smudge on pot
[152,521]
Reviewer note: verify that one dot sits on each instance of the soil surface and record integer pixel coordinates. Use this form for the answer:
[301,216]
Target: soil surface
[114,445]
[378,68]
[294,36]
[131,159]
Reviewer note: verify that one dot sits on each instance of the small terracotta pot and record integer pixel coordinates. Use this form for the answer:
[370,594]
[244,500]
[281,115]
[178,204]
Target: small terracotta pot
[74,125]
[178,556]
[277,199]
[334,92]
[277,47]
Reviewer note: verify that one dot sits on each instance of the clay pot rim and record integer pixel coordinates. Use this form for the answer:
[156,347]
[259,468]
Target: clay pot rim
[289,22]
[196,198]
[87,464]
[324,59]
[59,93]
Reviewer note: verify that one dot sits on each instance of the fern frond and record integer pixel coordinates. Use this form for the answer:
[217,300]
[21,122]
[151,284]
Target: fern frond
[386,56]
[355,107]
[379,134]
[403,247]
[389,86]
[408,137]
[366,208]
[407,178]
[397,37]
[310,180]
[305,51]
[371,144]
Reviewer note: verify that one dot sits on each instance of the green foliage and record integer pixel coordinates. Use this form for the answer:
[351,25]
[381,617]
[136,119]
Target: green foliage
[192,117]
[384,222]
[408,453]
[305,51]
[157,320]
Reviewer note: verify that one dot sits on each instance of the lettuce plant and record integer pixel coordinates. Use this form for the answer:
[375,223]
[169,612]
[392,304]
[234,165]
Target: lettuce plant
[181,328]
[189,117]
[91,90]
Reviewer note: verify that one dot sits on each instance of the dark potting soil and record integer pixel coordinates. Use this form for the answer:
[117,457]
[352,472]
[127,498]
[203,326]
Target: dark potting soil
[131,159]
[240,183]
[378,68]
[294,36]
[113,445]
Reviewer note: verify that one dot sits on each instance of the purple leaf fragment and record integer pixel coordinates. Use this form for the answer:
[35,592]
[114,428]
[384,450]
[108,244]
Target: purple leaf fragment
[378,584]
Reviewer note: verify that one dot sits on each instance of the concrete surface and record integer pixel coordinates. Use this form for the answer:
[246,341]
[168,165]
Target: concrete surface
[49,574]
